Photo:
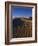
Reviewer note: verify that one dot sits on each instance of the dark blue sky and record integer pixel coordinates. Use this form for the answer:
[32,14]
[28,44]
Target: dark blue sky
[21,11]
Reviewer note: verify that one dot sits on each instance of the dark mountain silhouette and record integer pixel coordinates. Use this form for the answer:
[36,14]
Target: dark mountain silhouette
[17,22]
[30,18]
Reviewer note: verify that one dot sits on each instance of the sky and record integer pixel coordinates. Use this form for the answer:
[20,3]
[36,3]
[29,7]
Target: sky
[21,11]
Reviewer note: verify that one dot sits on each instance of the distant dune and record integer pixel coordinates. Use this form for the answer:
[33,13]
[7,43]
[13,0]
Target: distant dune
[19,17]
